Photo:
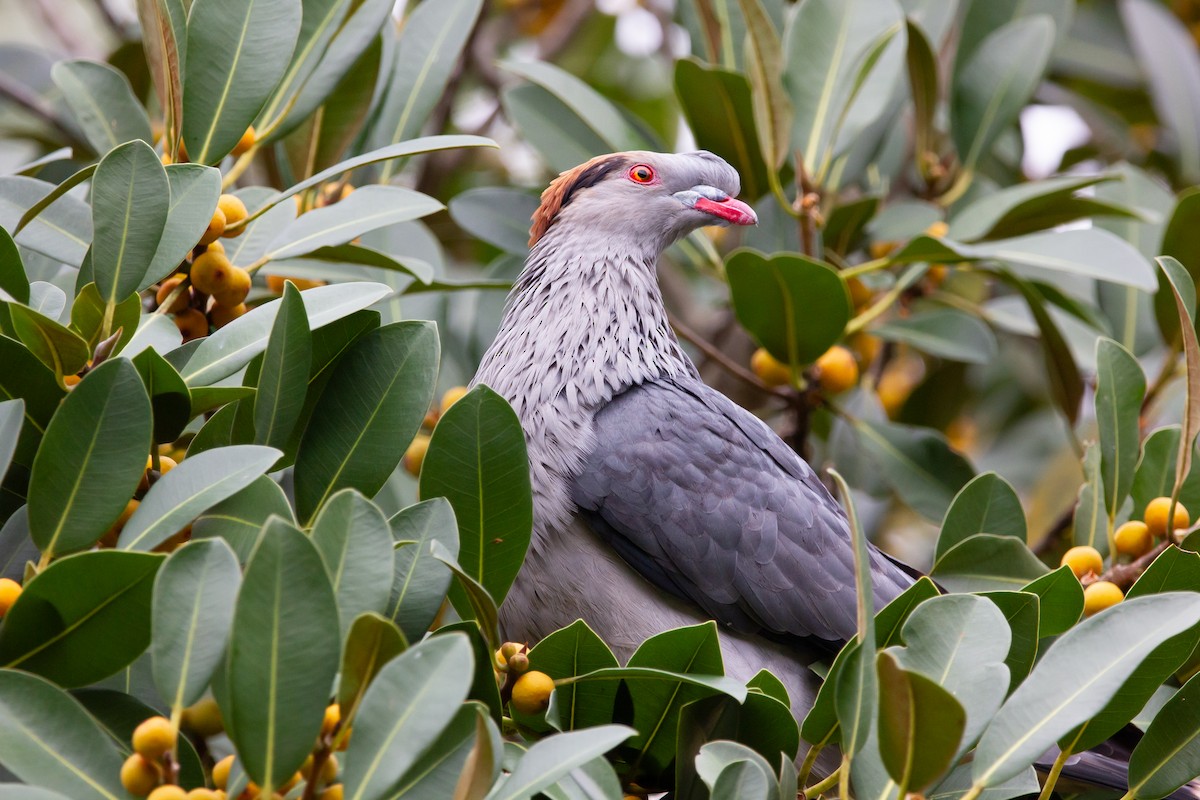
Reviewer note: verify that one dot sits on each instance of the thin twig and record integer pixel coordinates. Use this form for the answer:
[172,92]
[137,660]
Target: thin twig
[1124,575]
[724,361]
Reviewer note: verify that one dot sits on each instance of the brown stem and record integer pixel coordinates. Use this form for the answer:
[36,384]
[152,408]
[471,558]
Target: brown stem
[1124,575]
[725,362]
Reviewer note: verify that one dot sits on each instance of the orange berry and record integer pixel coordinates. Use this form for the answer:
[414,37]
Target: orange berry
[214,247]
[331,793]
[246,142]
[937,229]
[192,324]
[216,226]
[414,456]
[169,792]
[164,291]
[329,770]
[1156,516]
[531,693]
[1099,596]
[333,715]
[1133,539]
[1083,560]
[71,381]
[220,772]
[237,286]
[452,396]
[139,775]
[154,737]
[223,315]
[211,271]
[769,369]
[235,211]
[837,370]
[200,793]
[860,295]
[10,590]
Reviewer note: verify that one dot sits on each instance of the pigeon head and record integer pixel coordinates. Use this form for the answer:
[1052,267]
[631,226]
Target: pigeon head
[651,199]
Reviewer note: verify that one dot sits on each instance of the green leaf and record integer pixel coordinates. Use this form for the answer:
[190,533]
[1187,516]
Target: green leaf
[923,87]
[763,723]
[567,652]
[421,581]
[795,306]
[194,596]
[764,68]
[558,134]
[239,518]
[87,318]
[987,561]
[996,82]
[1066,384]
[960,642]
[410,701]
[90,460]
[1168,756]
[377,397]
[920,725]
[13,279]
[479,606]
[232,347]
[356,255]
[372,642]
[354,541]
[102,102]
[164,40]
[717,106]
[987,504]
[195,190]
[917,463]
[1092,253]
[28,379]
[283,381]
[733,771]
[12,418]
[1075,679]
[129,216]
[829,47]
[49,740]
[946,333]
[169,395]
[1023,208]
[1061,600]
[240,49]
[553,757]
[1022,612]
[199,482]
[55,345]
[83,618]
[282,657]
[1167,57]
[54,194]
[484,688]
[439,768]
[1091,518]
[477,461]
[368,208]
[497,215]
[1120,389]
[1182,288]
[426,55]
[1178,243]
[62,232]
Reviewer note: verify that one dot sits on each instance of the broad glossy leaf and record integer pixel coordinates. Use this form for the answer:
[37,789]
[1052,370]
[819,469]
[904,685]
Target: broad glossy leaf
[1120,389]
[1075,679]
[718,109]
[1168,756]
[764,68]
[372,642]
[103,103]
[12,418]
[920,724]
[557,133]
[1178,243]
[479,607]
[552,758]
[30,380]
[169,396]
[1181,286]
[1061,600]
[377,396]
[761,722]
[358,256]
[439,768]
[368,208]
[946,333]
[1066,384]
[497,215]
[286,616]
[354,541]
[576,650]
[239,518]
[917,463]
[421,581]
[49,740]
[986,561]
[408,704]
[795,306]
[90,460]
[988,504]
[484,644]
[733,771]
[283,381]
[195,190]
[13,279]
[153,331]
[61,232]
[1022,611]
[996,82]
[83,618]
[52,197]
[55,345]
[194,596]
[240,49]
[164,40]
[1090,522]
[1023,208]
[232,347]
[198,483]
[426,56]
[129,216]
[477,461]
[87,318]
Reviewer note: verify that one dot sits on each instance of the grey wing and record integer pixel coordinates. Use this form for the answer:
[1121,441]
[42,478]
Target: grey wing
[705,501]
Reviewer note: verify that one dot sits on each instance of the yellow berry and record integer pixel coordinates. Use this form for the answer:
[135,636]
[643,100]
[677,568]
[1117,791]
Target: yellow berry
[211,272]
[214,247]
[329,770]
[1156,516]
[1099,596]
[937,229]
[164,291]
[860,295]
[169,792]
[414,456]
[10,590]
[452,396]
[1133,539]
[275,283]
[204,718]
[343,738]
[331,793]
[287,785]
[837,370]
[154,737]
[138,775]
[237,286]
[235,211]
[220,772]
[216,226]
[223,315]
[531,692]
[882,249]
[333,715]
[245,143]
[1082,560]
[770,370]
[200,793]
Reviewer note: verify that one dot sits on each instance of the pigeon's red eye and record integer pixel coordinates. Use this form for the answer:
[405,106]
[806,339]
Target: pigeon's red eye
[641,174]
